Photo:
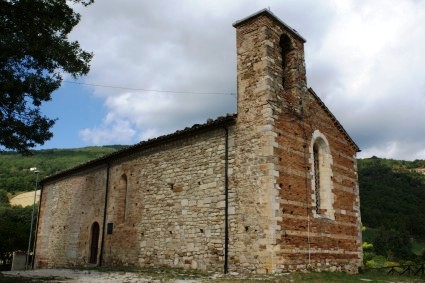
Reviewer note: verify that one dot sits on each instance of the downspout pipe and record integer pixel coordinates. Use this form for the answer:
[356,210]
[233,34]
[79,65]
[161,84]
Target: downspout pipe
[36,227]
[226,201]
[104,214]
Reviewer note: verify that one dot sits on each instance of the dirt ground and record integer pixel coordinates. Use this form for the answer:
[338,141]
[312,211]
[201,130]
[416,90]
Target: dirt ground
[70,275]
[193,276]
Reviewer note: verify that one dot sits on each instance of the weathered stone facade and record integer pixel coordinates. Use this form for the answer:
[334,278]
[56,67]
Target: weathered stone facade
[281,174]
[165,203]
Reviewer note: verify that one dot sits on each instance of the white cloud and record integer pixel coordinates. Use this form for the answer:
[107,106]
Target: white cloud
[364,59]
[374,55]
[117,132]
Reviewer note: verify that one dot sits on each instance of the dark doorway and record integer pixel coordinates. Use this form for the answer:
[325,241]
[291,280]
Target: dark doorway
[94,242]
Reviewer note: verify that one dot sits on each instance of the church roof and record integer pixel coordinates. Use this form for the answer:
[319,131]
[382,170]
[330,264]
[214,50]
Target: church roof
[219,122]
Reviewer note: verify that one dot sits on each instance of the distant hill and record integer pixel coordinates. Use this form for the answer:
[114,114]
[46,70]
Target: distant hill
[392,195]
[15,175]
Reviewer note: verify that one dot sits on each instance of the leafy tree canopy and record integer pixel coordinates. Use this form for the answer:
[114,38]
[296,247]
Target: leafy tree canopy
[34,54]
[14,231]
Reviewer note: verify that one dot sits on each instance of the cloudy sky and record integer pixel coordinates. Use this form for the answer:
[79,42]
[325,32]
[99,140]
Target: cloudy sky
[364,58]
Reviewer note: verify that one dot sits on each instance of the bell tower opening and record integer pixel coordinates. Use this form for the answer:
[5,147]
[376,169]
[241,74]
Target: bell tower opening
[285,47]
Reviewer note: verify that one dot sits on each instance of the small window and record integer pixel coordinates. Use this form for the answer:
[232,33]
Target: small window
[110,228]
[285,47]
[321,181]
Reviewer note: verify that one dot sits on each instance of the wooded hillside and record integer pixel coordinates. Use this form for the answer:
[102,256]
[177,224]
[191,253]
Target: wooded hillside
[392,201]
[392,195]
[15,175]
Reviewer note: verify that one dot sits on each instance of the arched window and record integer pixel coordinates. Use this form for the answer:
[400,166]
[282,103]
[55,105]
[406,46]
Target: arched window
[123,191]
[285,47]
[316,171]
[321,173]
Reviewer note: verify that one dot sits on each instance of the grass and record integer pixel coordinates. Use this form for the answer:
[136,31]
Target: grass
[325,277]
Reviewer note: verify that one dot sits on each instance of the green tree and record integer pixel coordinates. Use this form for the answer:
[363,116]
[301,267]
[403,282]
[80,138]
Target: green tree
[393,244]
[14,231]
[34,54]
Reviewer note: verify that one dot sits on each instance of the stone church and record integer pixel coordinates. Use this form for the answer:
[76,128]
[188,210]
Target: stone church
[272,188]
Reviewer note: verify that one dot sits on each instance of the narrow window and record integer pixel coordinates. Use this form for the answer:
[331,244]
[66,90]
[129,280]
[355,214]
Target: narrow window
[316,176]
[321,177]
[285,48]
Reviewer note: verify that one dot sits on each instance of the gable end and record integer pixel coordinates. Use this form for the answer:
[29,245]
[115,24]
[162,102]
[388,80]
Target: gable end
[334,119]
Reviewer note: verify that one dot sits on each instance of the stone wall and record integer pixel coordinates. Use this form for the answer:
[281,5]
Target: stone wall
[170,210]
[68,208]
[254,228]
[175,205]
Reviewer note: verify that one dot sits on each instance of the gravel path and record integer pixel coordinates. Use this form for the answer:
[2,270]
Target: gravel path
[70,275]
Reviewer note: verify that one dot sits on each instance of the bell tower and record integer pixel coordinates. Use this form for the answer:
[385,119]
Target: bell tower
[271,73]
[270,59]
[294,202]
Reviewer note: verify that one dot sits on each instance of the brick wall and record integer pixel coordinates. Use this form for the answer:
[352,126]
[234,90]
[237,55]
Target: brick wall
[68,209]
[276,122]
[322,242]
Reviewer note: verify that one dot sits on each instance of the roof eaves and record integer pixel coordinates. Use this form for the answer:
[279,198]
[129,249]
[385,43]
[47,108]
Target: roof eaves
[197,128]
